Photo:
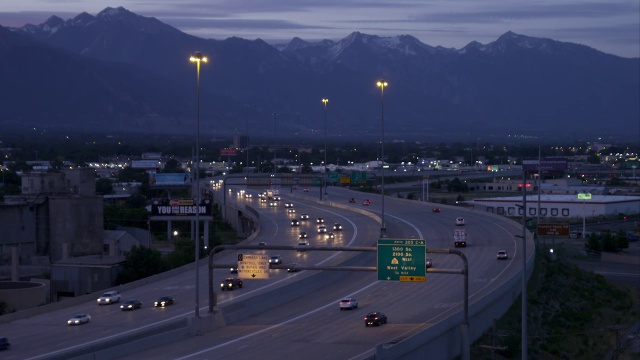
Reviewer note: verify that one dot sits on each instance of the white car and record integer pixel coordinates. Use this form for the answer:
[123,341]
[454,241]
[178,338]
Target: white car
[459,221]
[302,245]
[79,319]
[110,297]
[348,303]
[502,255]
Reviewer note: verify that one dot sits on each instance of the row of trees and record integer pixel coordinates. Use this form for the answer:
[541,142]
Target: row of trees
[609,242]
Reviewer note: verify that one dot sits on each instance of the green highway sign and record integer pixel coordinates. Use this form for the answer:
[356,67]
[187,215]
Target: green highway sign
[333,177]
[402,260]
[358,177]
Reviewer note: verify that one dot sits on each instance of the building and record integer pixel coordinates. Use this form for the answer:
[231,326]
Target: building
[561,206]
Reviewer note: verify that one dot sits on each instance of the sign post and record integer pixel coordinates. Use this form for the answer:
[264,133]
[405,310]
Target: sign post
[402,260]
[584,197]
[252,266]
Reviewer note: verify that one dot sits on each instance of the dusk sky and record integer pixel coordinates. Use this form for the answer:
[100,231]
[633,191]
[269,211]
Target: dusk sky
[611,26]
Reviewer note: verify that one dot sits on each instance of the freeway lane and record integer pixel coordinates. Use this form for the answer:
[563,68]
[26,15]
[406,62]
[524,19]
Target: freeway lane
[314,328]
[51,334]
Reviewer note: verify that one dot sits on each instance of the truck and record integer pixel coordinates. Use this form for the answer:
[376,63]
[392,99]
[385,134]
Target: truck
[460,237]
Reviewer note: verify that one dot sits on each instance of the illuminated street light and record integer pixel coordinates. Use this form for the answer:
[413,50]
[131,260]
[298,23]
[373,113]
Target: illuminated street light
[197,57]
[325,101]
[382,84]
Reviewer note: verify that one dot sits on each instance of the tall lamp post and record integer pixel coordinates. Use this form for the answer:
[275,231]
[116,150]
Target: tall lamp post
[325,101]
[275,169]
[382,84]
[247,145]
[197,57]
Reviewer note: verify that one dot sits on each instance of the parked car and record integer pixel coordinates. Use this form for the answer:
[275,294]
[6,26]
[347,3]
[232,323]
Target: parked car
[337,227]
[375,318]
[230,283]
[275,260]
[131,305]
[110,297]
[164,301]
[459,221]
[79,319]
[366,202]
[502,254]
[348,303]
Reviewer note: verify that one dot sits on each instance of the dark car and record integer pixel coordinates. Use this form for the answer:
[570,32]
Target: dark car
[436,210]
[230,284]
[337,227]
[375,318]
[295,222]
[131,305]
[294,267]
[4,343]
[428,262]
[352,200]
[164,301]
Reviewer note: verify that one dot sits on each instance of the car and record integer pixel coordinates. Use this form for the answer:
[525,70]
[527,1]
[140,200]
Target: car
[304,216]
[305,189]
[502,254]
[230,283]
[302,245]
[233,270]
[337,227]
[263,200]
[248,196]
[329,235]
[288,204]
[273,203]
[303,235]
[428,263]
[322,229]
[459,221]
[262,243]
[164,301]
[352,200]
[4,343]
[294,267]
[275,260]
[436,210]
[276,198]
[131,305]
[295,222]
[291,211]
[348,303]
[79,319]
[375,318]
[109,297]
[366,202]
[320,220]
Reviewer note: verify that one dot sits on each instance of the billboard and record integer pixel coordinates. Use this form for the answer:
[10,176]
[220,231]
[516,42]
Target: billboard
[169,179]
[553,230]
[179,207]
[228,152]
[145,164]
[546,164]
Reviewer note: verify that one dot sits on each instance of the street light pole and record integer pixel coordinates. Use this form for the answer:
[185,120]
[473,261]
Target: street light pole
[197,58]
[382,84]
[324,176]
[247,145]
[275,169]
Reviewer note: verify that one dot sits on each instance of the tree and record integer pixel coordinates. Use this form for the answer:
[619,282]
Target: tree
[140,263]
[104,186]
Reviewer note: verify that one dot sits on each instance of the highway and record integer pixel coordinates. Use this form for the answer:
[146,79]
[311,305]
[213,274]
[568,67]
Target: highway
[311,325]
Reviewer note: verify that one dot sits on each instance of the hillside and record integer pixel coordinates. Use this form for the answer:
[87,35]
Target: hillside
[572,315]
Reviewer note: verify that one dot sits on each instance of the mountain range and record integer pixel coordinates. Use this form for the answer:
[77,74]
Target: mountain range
[120,72]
